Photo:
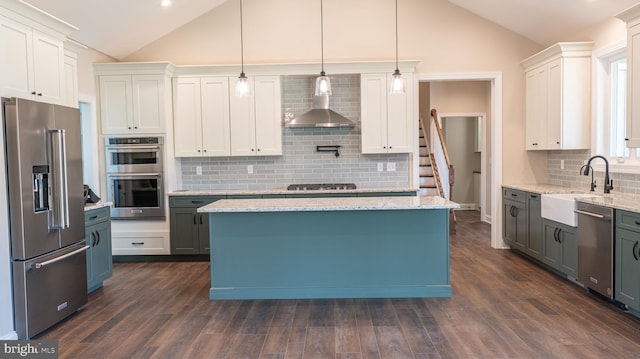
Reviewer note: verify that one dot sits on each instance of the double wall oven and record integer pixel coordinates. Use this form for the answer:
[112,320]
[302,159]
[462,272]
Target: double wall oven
[135,182]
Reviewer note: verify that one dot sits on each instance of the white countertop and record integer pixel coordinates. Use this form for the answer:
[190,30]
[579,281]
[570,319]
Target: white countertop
[231,192]
[90,206]
[624,201]
[327,204]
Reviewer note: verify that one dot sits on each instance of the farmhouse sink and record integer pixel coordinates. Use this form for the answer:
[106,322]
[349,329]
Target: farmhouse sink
[560,207]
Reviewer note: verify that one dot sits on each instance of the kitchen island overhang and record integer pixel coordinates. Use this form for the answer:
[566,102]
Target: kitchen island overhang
[298,248]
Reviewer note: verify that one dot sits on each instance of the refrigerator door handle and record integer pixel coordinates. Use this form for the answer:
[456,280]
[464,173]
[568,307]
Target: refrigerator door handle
[42,264]
[61,188]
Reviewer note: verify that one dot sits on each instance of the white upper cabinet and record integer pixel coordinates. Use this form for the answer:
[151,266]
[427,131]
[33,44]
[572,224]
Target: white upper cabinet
[256,120]
[32,60]
[71,79]
[632,18]
[558,97]
[133,104]
[386,123]
[201,117]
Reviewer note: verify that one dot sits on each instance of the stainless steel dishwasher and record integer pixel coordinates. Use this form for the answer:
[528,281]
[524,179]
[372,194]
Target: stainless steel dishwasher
[595,247]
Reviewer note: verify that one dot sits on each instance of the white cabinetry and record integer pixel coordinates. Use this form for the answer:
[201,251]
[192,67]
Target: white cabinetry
[558,93]
[632,18]
[32,60]
[132,104]
[71,79]
[256,120]
[387,125]
[201,116]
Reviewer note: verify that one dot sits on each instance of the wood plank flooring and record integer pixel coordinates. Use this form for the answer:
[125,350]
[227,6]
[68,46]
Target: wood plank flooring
[502,306]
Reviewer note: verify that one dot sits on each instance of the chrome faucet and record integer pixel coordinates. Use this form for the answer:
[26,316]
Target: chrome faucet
[608,184]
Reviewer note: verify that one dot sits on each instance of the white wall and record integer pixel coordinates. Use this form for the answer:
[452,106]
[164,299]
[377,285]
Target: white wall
[459,134]
[444,37]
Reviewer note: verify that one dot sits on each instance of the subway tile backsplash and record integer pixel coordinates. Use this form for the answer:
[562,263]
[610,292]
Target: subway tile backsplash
[300,163]
[570,176]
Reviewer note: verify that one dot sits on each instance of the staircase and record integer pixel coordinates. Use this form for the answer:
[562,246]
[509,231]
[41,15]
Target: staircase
[428,185]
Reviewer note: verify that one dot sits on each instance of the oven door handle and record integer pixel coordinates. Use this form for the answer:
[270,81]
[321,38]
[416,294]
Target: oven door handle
[134,174]
[118,148]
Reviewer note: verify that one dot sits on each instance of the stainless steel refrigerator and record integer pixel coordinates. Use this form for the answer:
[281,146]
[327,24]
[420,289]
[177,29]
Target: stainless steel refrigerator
[46,210]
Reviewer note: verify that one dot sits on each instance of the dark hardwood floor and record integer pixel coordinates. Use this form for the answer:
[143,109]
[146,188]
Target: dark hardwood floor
[503,306]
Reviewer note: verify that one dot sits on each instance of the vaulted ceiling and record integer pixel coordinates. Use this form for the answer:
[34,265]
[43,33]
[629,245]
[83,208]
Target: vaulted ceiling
[120,27]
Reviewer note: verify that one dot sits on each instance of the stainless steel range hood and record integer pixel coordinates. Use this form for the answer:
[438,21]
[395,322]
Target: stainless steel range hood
[320,116]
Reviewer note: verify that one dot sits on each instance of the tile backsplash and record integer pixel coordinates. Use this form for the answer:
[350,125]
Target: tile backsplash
[570,176]
[300,163]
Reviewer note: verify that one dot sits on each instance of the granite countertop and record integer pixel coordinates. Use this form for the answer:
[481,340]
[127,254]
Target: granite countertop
[327,204]
[616,200]
[231,192]
[90,206]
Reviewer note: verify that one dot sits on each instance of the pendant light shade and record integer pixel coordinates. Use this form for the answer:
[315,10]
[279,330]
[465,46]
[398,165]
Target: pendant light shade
[398,83]
[323,83]
[243,87]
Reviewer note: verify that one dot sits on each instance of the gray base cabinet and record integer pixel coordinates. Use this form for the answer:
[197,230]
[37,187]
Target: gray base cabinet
[560,249]
[534,226]
[189,230]
[514,213]
[627,261]
[98,238]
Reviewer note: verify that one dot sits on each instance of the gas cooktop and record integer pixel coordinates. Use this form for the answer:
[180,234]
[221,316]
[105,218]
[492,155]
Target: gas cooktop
[320,186]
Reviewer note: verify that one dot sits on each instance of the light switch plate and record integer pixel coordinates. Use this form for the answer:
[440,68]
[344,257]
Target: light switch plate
[199,170]
[391,166]
[380,167]
[250,169]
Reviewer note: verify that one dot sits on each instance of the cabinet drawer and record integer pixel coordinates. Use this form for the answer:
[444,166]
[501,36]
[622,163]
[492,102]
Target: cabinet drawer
[628,220]
[137,243]
[97,215]
[514,195]
[193,201]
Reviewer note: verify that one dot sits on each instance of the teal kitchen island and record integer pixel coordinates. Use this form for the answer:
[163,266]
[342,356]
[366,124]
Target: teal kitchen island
[364,247]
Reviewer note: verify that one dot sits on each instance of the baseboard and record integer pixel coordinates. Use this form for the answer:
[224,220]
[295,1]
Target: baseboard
[466,207]
[161,258]
[487,218]
[10,336]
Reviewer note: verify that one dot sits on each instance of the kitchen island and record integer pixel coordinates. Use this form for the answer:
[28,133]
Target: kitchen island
[369,247]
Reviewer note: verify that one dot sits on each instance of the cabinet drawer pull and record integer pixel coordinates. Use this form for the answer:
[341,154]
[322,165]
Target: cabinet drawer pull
[637,223]
[514,195]
[93,217]
[197,202]
[137,243]
[635,247]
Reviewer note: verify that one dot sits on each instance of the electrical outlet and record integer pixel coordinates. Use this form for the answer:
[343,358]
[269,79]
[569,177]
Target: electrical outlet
[380,167]
[250,169]
[561,164]
[199,170]
[391,166]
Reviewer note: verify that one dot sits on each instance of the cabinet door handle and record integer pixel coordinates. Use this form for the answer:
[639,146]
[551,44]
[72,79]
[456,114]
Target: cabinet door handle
[515,211]
[33,92]
[93,239]
[195,221]
[201,219]
[559,240]
[98,235]
[555,234]
[635,247]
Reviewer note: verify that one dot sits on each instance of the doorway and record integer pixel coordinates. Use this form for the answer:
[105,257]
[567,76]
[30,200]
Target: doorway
[493,137]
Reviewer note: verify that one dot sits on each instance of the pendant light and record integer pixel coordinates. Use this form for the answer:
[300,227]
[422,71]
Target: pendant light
[398,83]
[323,84]
[242,86]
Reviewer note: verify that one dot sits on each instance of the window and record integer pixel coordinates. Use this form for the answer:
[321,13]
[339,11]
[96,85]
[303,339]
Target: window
[610,125]
[617,103]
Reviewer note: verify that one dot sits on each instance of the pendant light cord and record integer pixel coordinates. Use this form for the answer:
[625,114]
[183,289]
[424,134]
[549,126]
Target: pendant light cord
[397,35]
[242,42]
[322,38]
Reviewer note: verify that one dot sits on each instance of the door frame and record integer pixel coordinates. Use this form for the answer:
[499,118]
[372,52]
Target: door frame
[495,78]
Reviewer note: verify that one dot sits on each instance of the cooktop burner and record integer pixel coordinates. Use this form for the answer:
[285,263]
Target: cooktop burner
[320,186]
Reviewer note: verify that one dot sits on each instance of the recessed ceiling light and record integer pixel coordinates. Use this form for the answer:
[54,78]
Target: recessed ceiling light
[165,3]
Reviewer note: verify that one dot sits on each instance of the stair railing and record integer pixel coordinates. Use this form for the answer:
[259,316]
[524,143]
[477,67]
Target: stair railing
[434,165]
[440,157]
